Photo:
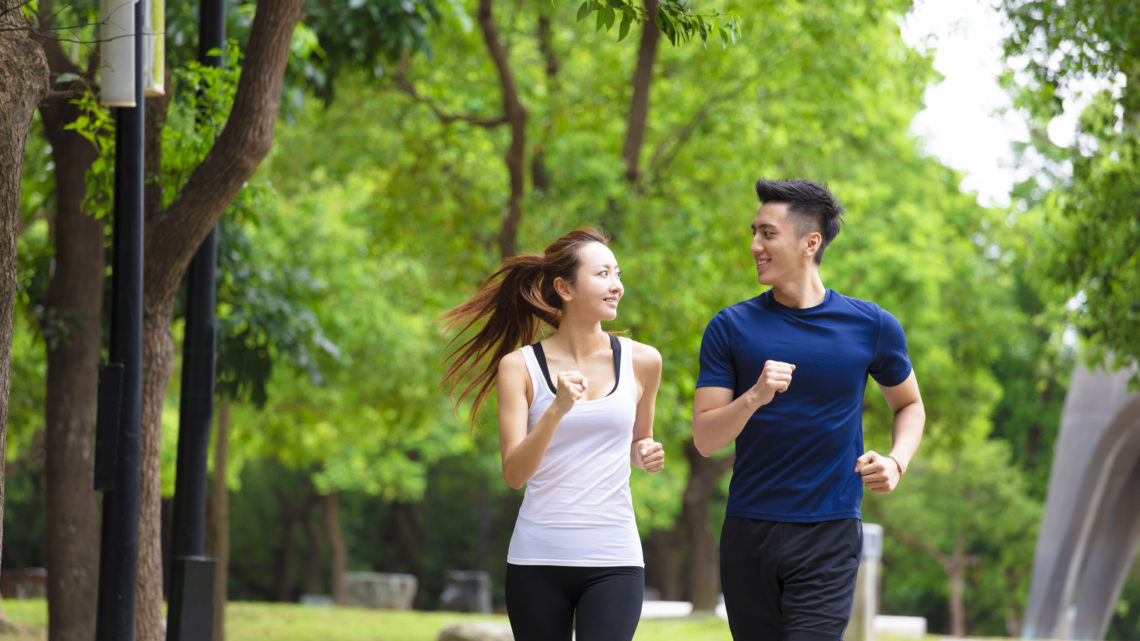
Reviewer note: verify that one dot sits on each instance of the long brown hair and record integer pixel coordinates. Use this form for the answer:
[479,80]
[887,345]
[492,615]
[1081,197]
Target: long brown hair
[514,302]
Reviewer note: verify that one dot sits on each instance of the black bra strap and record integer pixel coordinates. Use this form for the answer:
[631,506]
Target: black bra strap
[540,355]
[616,345]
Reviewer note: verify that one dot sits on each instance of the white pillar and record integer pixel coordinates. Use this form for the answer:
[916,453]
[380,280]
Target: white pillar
[117,53]
[154,47]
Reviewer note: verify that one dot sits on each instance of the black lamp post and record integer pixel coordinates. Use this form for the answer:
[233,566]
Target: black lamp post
[191,606]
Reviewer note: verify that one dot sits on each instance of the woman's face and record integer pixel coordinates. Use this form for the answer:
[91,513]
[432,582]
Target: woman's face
[597,287]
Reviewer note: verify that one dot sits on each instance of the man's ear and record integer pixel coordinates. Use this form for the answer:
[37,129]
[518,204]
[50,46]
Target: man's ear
[562,288]
[812,242]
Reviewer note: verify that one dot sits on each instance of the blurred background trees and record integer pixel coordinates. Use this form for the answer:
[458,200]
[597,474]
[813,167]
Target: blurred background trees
[419,143]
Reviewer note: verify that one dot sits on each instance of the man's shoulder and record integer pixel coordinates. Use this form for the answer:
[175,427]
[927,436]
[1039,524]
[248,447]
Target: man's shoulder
[857,306]
[747,307]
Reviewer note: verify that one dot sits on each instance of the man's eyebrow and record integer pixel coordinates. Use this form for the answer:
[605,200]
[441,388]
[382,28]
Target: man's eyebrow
[762,225]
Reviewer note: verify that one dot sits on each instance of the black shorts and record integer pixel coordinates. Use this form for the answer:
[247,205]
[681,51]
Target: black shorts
[789,581]
[548,602]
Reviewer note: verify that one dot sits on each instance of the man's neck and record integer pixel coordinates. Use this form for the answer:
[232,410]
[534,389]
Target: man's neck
[801,293]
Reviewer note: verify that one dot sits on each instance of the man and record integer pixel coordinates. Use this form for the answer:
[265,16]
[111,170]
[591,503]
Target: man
[783,375]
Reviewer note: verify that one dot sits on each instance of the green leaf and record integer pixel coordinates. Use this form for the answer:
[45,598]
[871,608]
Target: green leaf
[623,30]
[583,10]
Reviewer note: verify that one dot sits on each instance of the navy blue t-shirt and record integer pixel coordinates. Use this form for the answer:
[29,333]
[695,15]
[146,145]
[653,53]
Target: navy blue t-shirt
[795,458]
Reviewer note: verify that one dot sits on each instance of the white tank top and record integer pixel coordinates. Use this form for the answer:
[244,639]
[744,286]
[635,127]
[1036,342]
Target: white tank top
[578,510]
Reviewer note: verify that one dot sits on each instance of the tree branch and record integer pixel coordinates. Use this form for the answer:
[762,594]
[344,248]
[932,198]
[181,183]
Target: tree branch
[667,149]
[515,114]
[401,82]
[172,238]
[920,545]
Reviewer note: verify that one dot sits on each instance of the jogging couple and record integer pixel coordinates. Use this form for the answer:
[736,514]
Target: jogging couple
[782,376]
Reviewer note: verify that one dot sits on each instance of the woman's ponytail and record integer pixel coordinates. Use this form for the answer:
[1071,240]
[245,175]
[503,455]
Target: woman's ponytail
[514,302]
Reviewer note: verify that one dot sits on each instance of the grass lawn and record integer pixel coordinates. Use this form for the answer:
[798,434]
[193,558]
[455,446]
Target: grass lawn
[249,621]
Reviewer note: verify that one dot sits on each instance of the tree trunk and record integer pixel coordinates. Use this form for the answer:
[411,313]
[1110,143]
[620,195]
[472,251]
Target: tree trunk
[638,118]
[515,115]
[173,236]
[957,609]
[954,564]
[158,359]
[221,520]
[485,527]
[665,552]
[292,514]
[73,336]
[956,571]
[639,104]
[283,579]
[23,83]
[314,580]
[704,558]
[539,176]
[336,544]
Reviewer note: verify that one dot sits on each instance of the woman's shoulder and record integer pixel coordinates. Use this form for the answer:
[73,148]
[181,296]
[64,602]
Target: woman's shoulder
[513,373]
[513,360]
[645,357]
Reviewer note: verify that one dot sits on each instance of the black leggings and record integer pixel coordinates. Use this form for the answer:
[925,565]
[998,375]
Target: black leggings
[545,602]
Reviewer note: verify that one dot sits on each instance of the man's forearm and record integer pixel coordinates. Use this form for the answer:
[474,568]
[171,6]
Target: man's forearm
[717,428]
[906,432]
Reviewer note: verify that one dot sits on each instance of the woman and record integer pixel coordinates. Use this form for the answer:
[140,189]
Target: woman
[575,411]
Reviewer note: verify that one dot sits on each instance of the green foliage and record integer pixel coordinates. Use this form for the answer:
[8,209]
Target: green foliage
[1035,364]
[675,18]
[1088,192]
[972,502]
[97,126]
[426,194]
[204,96]
[342,35]
[27,392]
[359,426]
[263,314]
[1125,622]
[30,328]
[29,9]
[373,215]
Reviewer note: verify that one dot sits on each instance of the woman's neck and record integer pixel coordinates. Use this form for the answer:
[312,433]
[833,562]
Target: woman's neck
[579,339]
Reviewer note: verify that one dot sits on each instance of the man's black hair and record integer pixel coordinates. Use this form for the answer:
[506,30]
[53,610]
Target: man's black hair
[811,207]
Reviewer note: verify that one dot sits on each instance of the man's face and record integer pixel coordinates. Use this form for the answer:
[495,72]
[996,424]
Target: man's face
[776,245]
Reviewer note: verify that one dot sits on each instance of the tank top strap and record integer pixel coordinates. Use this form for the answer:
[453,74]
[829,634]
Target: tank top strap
[625,366]
[537,378]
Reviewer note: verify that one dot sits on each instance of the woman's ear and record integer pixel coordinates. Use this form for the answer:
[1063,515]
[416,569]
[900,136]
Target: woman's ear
[562,288]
